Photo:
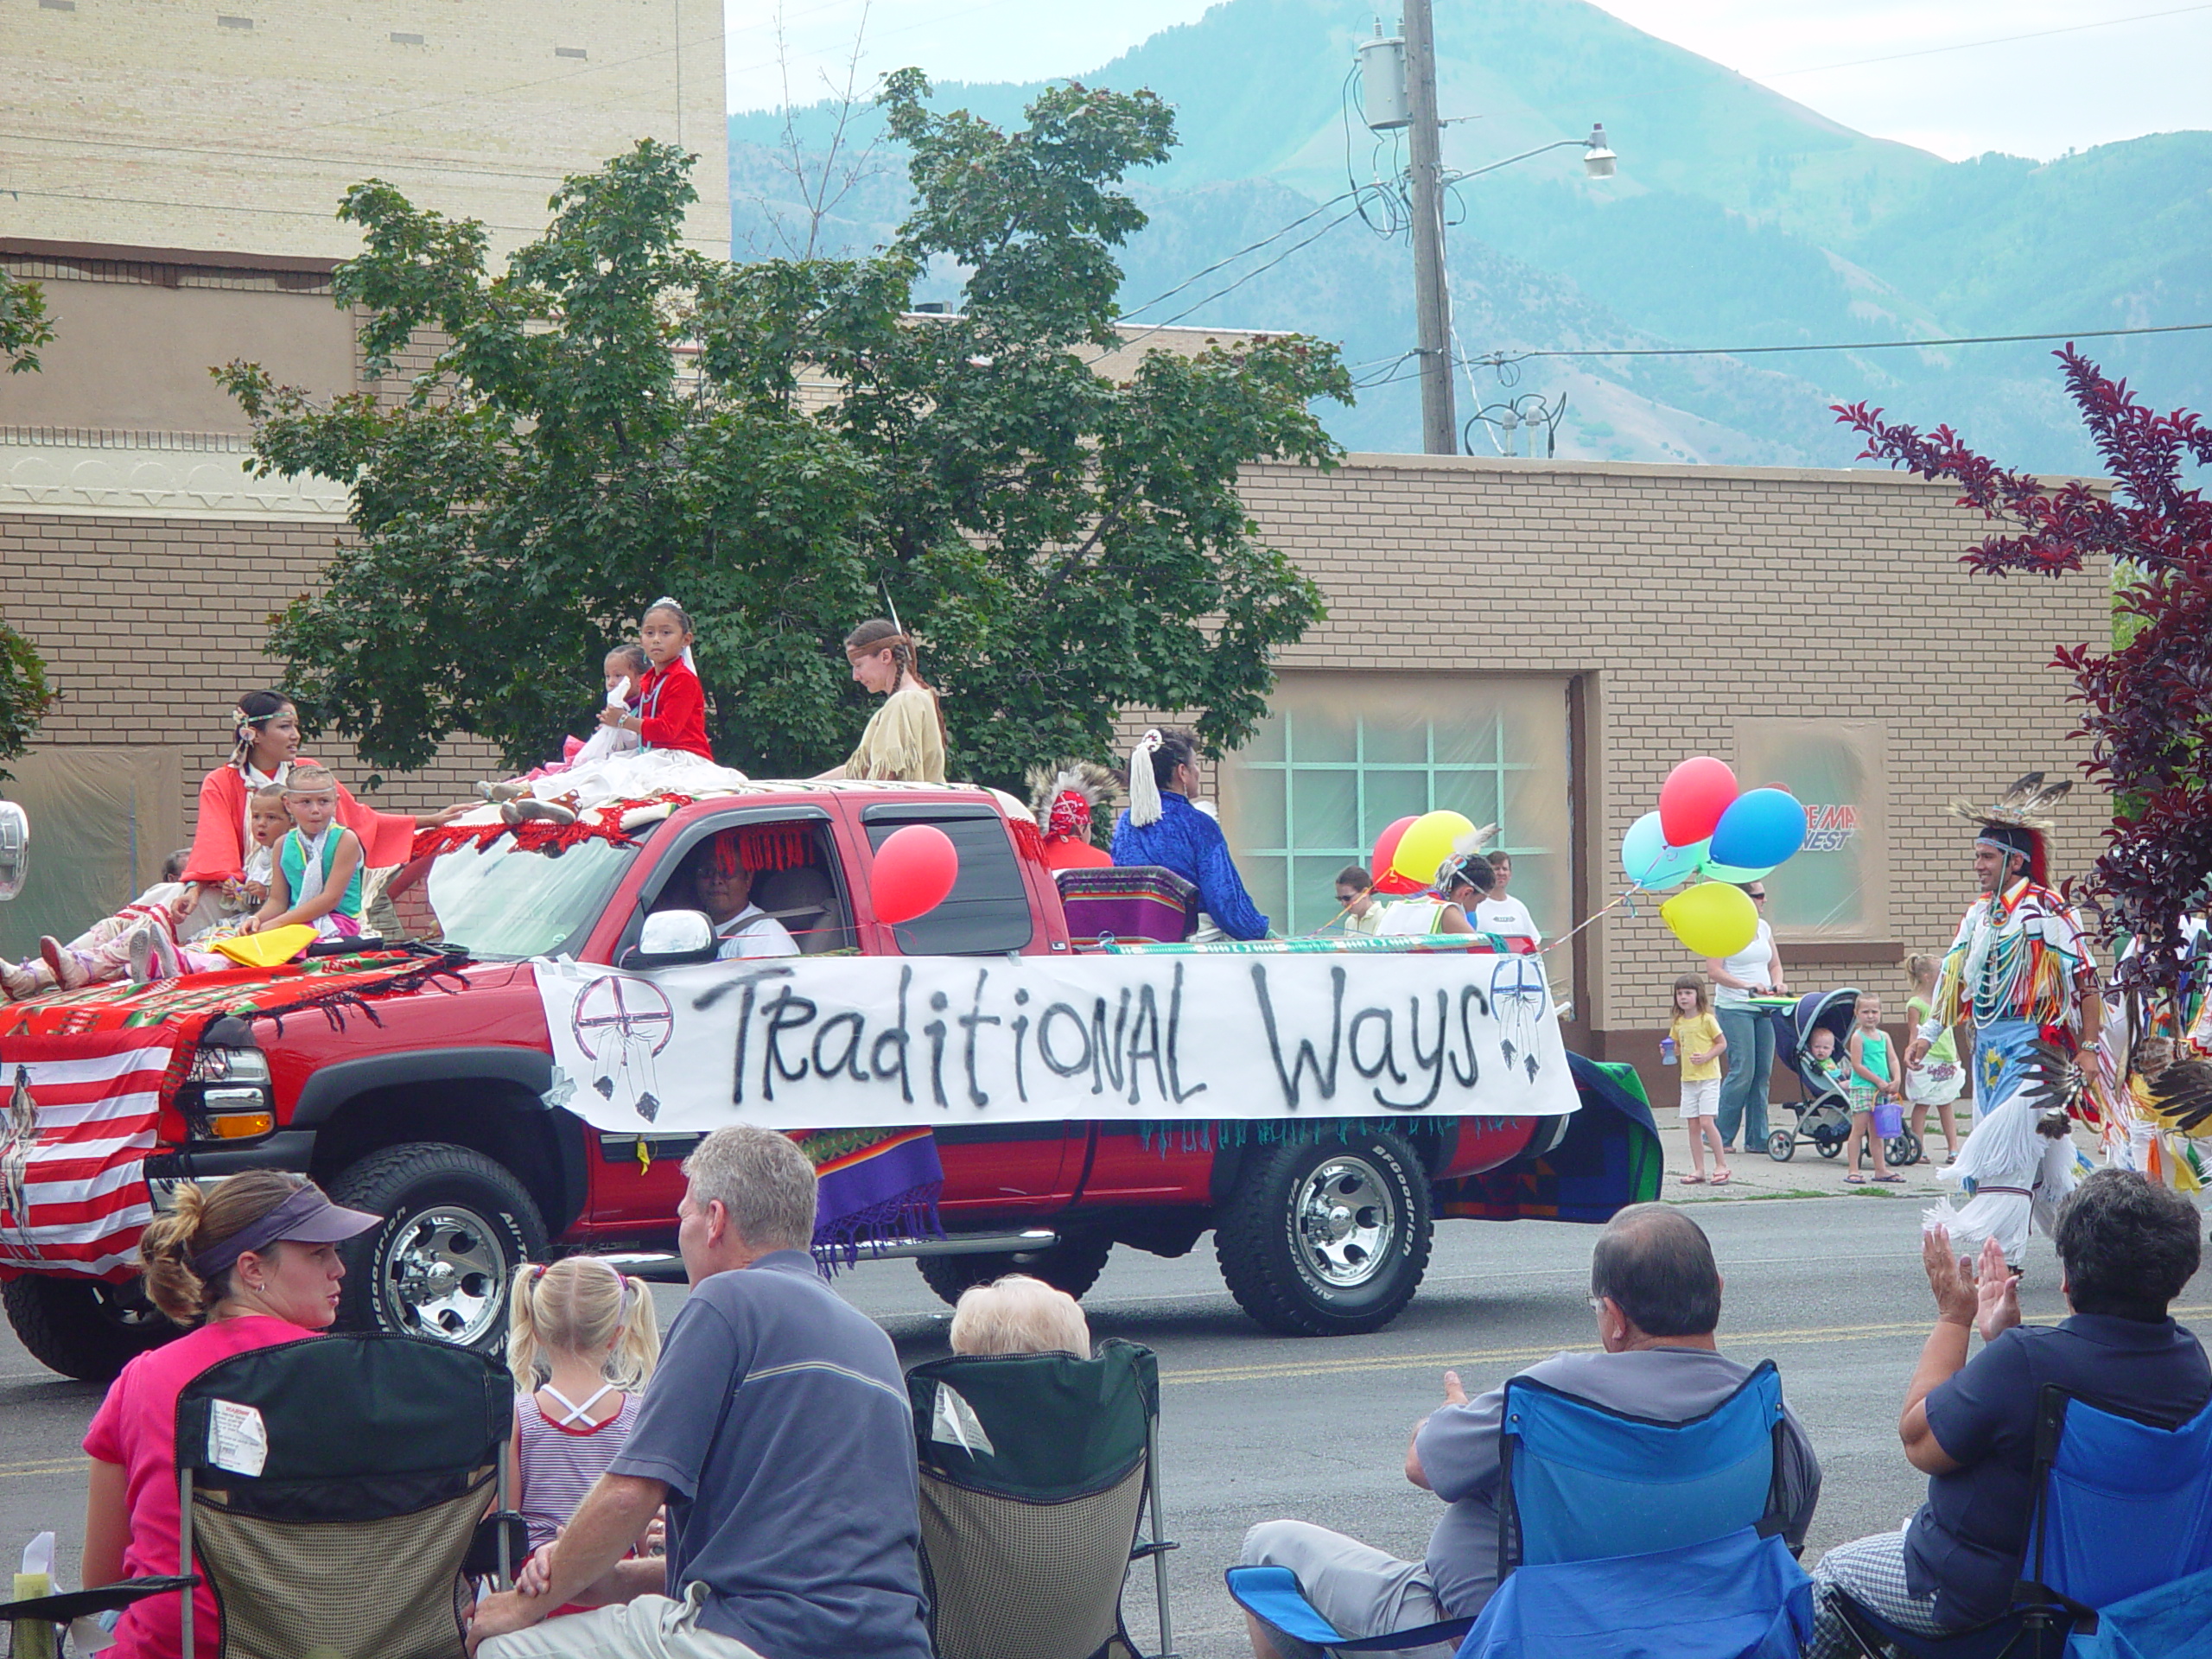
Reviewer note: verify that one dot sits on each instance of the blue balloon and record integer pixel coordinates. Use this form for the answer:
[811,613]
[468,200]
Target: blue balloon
[1761,828]
[1650,862]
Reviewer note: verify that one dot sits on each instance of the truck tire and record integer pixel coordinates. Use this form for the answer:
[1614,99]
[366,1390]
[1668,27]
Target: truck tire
[89,1332]
[456,1228]
[1329,1238]
[1072,1265]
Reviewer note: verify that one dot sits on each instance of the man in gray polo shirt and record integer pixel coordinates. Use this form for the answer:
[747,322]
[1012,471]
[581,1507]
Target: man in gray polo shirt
[1657,1295]
[776,1430]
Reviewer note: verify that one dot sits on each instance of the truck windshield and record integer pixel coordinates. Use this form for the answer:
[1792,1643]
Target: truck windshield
[501,903]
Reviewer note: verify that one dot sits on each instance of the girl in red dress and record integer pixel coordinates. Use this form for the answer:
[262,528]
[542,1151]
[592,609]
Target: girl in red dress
[671,711]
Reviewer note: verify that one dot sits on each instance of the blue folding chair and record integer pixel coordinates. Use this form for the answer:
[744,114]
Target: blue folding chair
[2123,1509]
[1588,1498]
[1625,1537]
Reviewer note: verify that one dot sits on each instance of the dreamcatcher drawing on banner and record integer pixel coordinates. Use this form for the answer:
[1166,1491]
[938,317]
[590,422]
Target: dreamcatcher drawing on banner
[1517,997]
[621,1025]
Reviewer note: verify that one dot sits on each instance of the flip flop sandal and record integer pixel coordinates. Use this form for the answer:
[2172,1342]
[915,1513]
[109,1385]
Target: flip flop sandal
[1891,1179]
[1855,1181]
[1691,1180]
[1721,1179]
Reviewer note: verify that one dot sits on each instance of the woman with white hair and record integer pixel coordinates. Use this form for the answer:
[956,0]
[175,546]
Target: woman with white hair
[1019,1315]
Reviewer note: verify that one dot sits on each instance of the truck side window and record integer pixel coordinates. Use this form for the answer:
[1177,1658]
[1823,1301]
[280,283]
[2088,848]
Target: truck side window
[986,913]
[799,889]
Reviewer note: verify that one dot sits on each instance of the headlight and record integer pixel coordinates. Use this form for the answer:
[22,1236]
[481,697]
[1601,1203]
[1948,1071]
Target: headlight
[230,1065]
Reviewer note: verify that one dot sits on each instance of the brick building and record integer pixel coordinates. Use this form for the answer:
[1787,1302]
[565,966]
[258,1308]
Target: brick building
[1533,643]
[1530,642]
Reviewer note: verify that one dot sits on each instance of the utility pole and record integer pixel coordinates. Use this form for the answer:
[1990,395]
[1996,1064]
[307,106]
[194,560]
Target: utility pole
[1439,424]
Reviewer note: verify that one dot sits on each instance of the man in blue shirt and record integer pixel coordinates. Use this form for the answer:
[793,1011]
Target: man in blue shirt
[2127,1248]
[777,1432]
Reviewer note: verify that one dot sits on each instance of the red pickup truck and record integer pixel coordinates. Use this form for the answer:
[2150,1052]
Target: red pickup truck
[422,1084]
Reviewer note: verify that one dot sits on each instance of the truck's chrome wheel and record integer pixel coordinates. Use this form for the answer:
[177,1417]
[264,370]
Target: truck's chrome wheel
[1345,1221]
[445,1276]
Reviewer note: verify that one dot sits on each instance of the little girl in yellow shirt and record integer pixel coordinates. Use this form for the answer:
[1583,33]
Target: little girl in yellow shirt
[1698,1045]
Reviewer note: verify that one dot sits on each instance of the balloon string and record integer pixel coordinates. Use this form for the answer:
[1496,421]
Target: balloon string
[1626,896]
[1313,932]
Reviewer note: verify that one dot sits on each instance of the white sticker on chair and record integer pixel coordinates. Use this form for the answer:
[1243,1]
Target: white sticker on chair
[237,1438]
[954,1423]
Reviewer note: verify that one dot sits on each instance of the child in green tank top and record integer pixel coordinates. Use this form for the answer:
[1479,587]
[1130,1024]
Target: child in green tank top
[316,878]
[1873,1071]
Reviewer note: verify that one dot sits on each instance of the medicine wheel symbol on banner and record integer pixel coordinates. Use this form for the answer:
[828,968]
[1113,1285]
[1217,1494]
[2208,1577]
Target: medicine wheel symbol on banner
[1517,997]
[621,1025]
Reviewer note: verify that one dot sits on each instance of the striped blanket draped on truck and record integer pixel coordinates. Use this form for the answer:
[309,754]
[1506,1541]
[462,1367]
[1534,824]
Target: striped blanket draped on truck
[80,1121]
[85,1073]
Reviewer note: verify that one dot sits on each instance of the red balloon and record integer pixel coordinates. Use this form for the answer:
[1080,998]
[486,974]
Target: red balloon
[1384,879]
[1693,798]
[914,869]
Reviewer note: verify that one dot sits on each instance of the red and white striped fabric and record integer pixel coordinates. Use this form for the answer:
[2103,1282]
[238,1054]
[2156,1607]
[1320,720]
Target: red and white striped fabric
[80,1122]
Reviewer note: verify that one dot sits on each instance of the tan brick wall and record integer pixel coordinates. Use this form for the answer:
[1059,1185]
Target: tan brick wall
[151,627]
[1684,596]
[1691,596]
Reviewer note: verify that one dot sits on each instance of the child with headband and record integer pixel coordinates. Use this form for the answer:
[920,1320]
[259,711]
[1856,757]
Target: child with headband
[591,1335]
[316,875]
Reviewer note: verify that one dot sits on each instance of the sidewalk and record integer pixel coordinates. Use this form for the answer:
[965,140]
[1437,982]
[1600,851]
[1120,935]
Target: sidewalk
[1807,1175]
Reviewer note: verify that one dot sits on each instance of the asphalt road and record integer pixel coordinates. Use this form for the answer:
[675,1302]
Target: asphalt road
[1257,1426]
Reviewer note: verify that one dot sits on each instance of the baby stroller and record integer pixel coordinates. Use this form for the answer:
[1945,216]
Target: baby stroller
[1823,1110]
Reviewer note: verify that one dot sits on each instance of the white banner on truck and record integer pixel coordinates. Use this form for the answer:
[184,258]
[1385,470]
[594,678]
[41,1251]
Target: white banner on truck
[854,1042]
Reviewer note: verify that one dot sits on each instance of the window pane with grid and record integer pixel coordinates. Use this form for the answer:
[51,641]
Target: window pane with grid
[1342,756]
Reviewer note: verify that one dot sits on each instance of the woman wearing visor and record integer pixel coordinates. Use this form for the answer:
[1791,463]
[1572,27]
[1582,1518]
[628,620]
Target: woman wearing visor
[247,1264]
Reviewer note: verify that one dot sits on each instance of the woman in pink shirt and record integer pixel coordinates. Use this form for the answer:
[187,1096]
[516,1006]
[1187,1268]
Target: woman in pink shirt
[249,1264]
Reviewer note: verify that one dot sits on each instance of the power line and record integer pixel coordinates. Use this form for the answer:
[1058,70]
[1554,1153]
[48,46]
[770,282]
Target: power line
[423,165]
[2000,39]
[1229,259]
[283,212]
[1497,358]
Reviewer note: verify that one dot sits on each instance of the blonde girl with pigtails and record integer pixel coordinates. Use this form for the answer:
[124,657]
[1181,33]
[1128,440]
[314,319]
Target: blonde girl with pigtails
[581,1340]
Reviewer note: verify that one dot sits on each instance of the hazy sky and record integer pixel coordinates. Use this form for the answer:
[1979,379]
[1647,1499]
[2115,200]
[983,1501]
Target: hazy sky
[2140,66]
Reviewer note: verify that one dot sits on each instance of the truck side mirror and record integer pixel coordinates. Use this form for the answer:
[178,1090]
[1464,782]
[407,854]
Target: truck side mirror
[672,938]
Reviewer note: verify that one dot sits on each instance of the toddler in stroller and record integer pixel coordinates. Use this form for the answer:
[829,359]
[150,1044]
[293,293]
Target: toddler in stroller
[1809,1034]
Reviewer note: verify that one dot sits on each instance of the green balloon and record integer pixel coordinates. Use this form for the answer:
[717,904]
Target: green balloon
[1735,872]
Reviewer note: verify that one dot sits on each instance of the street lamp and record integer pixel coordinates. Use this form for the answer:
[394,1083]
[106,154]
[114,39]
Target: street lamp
[1596,155]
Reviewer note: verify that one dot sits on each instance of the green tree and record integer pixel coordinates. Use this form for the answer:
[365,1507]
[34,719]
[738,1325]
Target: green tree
[24,694]
[23,325]
[615,417]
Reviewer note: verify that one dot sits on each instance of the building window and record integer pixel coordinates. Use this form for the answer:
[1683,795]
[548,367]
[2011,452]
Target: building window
[1342,756]
[1836,888]
[223,22]
[570,52]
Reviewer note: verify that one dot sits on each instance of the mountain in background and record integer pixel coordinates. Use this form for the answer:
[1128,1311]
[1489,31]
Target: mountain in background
[1738,218]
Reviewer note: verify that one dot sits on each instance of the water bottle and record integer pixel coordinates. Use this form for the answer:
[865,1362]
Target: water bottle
[1666,1050]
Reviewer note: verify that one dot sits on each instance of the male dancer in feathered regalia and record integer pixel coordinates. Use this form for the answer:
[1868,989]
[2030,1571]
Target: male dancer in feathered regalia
[2020,969]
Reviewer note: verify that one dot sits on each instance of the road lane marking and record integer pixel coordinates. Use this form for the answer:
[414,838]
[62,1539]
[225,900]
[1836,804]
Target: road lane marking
[1737,1342]
[70,1466]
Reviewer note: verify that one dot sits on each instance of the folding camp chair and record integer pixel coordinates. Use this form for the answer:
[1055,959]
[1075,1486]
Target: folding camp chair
[1036,1472]
[1583,1495]
[1601,1514]
[2122,1508]
[333,1493]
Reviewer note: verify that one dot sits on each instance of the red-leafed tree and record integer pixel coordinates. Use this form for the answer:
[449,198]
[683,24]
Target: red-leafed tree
[2146,703]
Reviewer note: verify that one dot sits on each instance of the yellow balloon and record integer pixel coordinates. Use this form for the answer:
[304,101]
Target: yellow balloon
[1713,918]
[1426,843]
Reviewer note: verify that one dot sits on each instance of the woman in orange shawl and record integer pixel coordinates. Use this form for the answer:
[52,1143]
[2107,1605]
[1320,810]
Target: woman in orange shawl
[268,728]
